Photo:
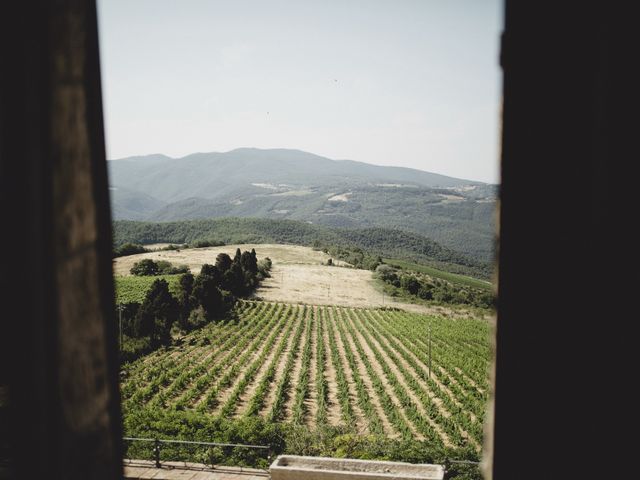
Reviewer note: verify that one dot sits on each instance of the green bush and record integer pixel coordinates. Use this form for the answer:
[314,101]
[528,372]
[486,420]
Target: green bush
[129,249]
[145,267]
[283,438]
[207,243]
[264,267]
[148,267]
[133,348]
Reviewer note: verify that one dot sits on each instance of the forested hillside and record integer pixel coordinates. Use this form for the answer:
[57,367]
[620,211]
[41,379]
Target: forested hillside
[295,185]
[374,241]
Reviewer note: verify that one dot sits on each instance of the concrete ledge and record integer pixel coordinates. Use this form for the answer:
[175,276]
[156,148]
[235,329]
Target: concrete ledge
[293,467]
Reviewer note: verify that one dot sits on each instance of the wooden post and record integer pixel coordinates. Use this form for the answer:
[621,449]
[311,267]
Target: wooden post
[64,419]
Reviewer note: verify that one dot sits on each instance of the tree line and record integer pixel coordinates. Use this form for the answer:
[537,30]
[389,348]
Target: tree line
[206,297]
[385,242]
[427,288]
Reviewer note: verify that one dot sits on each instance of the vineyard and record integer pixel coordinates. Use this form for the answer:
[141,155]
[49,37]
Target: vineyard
[133,289]
[370,371]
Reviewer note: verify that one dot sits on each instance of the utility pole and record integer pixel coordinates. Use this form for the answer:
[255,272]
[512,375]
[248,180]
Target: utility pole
[429,351]
[119,306]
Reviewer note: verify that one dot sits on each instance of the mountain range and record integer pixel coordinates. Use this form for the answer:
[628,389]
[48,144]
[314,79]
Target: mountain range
[297,185]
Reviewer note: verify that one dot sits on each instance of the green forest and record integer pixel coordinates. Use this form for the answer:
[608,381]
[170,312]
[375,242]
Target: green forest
[375,241]
[153,306]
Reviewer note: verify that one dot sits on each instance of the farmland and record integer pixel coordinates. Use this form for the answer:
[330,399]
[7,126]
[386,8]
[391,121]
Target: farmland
[133,289]
[368,371]
[299,275]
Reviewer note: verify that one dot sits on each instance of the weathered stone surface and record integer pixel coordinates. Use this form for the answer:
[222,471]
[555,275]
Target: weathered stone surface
[290,467]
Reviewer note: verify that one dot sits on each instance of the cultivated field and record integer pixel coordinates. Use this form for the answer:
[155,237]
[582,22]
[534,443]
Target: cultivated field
[322,365]
[299,275]
[196,257]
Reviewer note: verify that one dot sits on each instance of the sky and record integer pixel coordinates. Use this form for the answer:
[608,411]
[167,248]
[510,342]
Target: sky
[412,83]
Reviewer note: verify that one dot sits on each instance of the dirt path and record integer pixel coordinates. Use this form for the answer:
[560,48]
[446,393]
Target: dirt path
[172,390]
[436,399]
[401,379]
[333,406]
[271,395]
[287,411]
[360,419]
[442,387]
[224,394]
[250,390]
[196,403]
[469,380]
[379,371]
[218,352]
[389,430]
[311,401]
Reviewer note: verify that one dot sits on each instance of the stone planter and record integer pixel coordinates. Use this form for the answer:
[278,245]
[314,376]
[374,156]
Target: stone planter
[293,467]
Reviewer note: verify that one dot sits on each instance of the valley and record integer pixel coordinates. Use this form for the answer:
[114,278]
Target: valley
[298,275]
[367,332]
[372,372]
[287,184]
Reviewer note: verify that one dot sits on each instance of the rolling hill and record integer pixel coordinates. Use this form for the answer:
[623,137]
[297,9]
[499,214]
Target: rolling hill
[296,185]
[378,241]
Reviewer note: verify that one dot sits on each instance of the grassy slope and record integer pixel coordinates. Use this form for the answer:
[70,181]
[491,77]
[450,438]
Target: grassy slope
[133,289]
[377,241]
[433,272]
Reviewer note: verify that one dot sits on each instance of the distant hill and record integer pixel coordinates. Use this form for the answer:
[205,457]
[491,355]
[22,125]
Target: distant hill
[377,241]
[133,204]
[296,185]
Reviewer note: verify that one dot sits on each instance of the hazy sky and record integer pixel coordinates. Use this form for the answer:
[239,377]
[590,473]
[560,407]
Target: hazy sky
[393,82]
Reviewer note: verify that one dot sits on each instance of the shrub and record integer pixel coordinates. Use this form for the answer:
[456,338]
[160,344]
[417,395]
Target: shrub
[129,249]
[133,348]
[157,314]
[385,272]
[167,268]
[197,318]
[171,246]
[264,266]
[145,267]
[410,284]
[207,243]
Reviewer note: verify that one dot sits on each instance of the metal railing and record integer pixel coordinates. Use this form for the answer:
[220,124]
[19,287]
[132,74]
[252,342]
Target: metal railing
[212,454]
[215,455]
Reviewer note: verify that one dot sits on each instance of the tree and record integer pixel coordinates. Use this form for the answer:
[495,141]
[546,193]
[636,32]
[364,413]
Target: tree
[237,257]
[213,272]
[167,268]
[184,298]
[386,272]
[129,249]
[157,314]
[234,279]
[254,260]
[264,266]
[207,294]
[410,284]
[223,262]
[249,262]
[426,292]
[145,267]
